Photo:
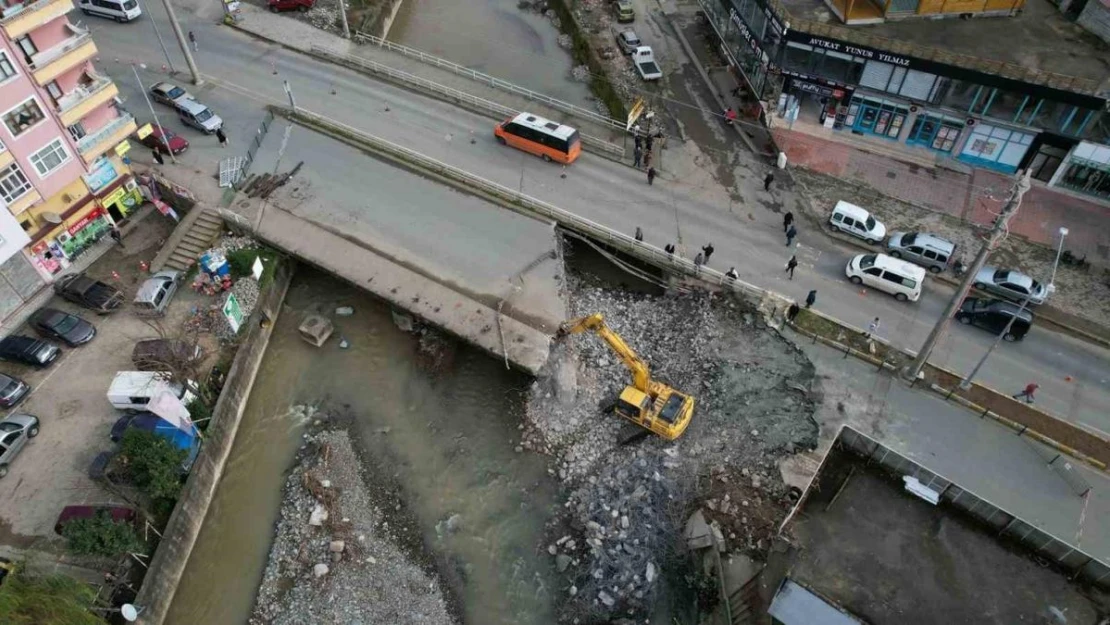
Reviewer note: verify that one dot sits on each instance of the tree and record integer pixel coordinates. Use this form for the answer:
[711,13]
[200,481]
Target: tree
[46,600]
[99,535]
[153,462]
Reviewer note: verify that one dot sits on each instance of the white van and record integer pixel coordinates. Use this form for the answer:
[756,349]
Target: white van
[857,222]
[119,10]
[135,389]
[888,274]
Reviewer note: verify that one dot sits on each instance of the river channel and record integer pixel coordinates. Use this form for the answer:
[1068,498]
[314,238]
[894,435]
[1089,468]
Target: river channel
[448,436]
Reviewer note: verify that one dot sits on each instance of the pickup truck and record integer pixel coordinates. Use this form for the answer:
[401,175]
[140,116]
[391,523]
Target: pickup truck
[644,59]
[89,293]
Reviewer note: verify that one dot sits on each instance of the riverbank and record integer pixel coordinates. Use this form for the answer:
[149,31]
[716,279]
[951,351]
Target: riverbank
[343,551]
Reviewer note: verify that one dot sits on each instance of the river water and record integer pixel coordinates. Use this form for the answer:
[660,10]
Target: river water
[449,438]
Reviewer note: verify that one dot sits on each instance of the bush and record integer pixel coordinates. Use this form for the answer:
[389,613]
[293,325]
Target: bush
[242,263]
[46,600]
[99,535]
[153,463]
[200,413]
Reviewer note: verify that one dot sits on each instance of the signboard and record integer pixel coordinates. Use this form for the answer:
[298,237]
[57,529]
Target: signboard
[256,268]
[233,313]
[102,174]
[85,221]
[144,131]
[123,147]
[634,113]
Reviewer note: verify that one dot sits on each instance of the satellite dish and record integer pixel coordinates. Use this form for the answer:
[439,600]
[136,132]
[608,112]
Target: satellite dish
[51,217]
[130,612]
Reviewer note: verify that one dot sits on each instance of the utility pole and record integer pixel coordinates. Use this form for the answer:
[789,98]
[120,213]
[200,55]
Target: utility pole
[197,80]
[343,15]
[914,369]
[161,131]
[162,43]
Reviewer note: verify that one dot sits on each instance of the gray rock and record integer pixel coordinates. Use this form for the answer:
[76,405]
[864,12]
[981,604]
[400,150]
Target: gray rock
[345,311]
[454,523]
[336,546]
[320,570]
[606,599]
[318,516]
[562,561]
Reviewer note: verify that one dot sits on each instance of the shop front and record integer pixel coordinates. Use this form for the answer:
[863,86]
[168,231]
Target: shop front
[811,98]
[123,201]
[68,241]
[996,147]
[876,117]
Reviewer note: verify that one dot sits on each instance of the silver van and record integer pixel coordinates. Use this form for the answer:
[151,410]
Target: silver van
[197,115]
[155,293]
[927,250]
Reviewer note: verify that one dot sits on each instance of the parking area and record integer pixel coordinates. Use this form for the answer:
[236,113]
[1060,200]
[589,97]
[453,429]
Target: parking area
[69,396]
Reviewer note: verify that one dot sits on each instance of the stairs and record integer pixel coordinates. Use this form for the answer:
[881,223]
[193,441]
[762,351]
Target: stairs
[198,236]
[742,602]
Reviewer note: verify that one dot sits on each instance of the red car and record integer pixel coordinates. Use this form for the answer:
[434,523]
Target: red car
[154,140]
[119,514]
[278,6]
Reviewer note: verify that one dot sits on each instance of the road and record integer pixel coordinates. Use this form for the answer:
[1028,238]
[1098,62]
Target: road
[687,207]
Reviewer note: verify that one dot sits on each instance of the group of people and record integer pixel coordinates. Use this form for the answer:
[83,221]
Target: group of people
[642,152]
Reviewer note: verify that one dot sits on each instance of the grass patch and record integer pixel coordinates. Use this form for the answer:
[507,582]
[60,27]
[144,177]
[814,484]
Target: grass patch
[242,263]
[824,327]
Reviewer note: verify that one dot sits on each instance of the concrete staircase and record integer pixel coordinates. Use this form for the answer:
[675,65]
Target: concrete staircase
[192,237]
[742,603]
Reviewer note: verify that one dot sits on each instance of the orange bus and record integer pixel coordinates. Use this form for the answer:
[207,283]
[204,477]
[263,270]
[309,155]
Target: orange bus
[549,140]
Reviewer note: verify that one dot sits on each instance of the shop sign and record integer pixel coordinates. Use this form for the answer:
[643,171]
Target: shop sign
[233,313]
[809,87]
[123,147]
[744,32]
[114,196]
[102,174]
[854,50]
[144,131]
[85,221]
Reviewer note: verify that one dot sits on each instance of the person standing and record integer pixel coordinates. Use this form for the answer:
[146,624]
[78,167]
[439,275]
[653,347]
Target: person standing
[791,232]
[637,155]
[787,219]
[193,41]
[811,298]
[699,260]
[767,180]
[649,142]
[157,156]
[669,248]
[639,141]
[731,273]
[647,158]
[116,235]
[872,329]
[221,137]
[1027,393]
[651,175]
[790,265]
[792,312]
[639,234]
[708,249]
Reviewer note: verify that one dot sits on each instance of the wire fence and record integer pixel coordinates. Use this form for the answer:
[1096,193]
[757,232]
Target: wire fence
[259,137]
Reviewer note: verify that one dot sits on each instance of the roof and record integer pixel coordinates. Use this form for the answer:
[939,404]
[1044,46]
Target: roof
[150,287]
[889,262]
[131,382]
[795,605]
[851,209]
[191,106]
[536,122]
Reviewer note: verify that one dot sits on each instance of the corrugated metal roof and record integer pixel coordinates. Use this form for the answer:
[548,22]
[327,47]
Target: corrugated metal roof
[795,605]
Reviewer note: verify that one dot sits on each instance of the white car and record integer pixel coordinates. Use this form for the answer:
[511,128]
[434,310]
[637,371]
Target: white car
[628,40]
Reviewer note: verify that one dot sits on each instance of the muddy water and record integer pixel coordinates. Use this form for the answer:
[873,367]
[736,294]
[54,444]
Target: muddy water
[495,37]
[448,439]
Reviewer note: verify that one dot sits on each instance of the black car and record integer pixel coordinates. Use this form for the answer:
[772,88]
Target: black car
[89,293]
[994,315]
[12,390]
[53,323]
[28,350]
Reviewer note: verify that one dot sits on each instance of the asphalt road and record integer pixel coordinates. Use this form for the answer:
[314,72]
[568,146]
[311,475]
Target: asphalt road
[1074,376]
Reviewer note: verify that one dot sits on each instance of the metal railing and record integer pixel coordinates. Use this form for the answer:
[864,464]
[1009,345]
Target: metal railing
[252,149]
[24,9]
[91,140]
[48,56]
[491,81]
[74,98]
[500,111]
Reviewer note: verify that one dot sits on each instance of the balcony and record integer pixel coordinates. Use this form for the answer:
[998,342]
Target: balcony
[6,159]
[23,202]
[20,19]
[83,100]
[92,145]
[49,64]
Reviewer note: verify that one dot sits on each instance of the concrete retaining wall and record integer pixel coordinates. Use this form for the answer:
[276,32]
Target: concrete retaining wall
[168,564]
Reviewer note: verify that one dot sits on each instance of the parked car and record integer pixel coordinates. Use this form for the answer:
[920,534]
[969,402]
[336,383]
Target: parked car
[12,390]
[119,514]
[28,350]
[55,324]
[626,12]
[927,250]
[150,422]
[156,292]
[197,115]
[890,275]
[628,40]
[90,293]
[168,93]
[277,6]
[177,144]
[15,431]
[1012,285]
[162,354]
[994,315]
[98,469]
[853,220]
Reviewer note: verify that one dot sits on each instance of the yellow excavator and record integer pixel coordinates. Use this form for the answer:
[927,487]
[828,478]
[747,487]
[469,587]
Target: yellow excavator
[647,402]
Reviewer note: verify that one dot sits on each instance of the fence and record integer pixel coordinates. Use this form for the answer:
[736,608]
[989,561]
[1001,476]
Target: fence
[259,137]
[1081,565]
[492,81]
[499,111]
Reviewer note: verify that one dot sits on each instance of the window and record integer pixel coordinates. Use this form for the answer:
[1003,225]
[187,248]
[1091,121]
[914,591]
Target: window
[27,46]
[50,157]
[26,225]
[935,133]
[77,131]
[7,70]
[13,184]
[54,90]
[897,279]
[22,117]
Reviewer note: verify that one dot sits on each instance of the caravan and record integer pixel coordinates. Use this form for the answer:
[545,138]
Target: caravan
[135,390]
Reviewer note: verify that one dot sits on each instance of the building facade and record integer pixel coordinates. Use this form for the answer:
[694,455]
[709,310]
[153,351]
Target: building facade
[1013,118]
[64,179]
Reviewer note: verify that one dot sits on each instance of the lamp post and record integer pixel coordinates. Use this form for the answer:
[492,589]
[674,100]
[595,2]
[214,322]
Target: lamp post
[161,131]
[1059,250]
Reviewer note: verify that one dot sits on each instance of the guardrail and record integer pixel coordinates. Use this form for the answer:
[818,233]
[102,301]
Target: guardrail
[492,81]
[499,111]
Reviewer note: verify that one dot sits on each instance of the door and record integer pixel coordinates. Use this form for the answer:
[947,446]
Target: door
[28,47]
[11,443]
[872,276]
[868,116]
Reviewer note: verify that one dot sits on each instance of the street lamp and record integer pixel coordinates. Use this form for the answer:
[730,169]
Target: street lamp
[161,131]
[1050,288]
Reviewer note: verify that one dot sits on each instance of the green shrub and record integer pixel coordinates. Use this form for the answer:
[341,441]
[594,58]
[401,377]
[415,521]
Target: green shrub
[154,463]
[200,413]
[241,263]
[46,600]
[99,535]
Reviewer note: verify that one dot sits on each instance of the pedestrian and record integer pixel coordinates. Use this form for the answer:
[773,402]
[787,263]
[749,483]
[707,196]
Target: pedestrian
[811,298]
[792,312]
[787,219]
[669,248]
[193,41]
[731,273]
[1028,392]
[699,260]
[767,180]
[158,156]
[639,234]
[791,232]
[872,329]
[730,116]
[221,137]
[790,265]
[637,154]
[708,249]
[649,142]
[639,141]
[651,175]
[116,235]
[647,158]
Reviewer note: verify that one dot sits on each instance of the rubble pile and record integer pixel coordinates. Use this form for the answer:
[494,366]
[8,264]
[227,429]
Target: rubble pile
[246,293]
[229,244]
[335,557]
[753,406]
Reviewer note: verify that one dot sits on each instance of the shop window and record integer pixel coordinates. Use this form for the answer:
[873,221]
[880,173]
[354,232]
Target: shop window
[798,57]
[50,157]
[917,85]
[1089,178]
[995,147]
[7,70]
[1097,128]
[935,133]
[961,95]
[21,118]
[875,117]
[835,66]
[13,184]
[1005,105]
[1047,114]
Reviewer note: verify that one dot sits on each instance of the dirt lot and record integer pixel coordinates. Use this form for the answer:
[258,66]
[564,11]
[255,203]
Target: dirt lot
[69,397]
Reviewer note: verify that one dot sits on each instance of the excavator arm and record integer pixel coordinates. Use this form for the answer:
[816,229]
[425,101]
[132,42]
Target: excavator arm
[640,374]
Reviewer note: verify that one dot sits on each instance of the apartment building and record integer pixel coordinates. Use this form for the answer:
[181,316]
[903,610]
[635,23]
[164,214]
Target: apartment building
[64,178]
